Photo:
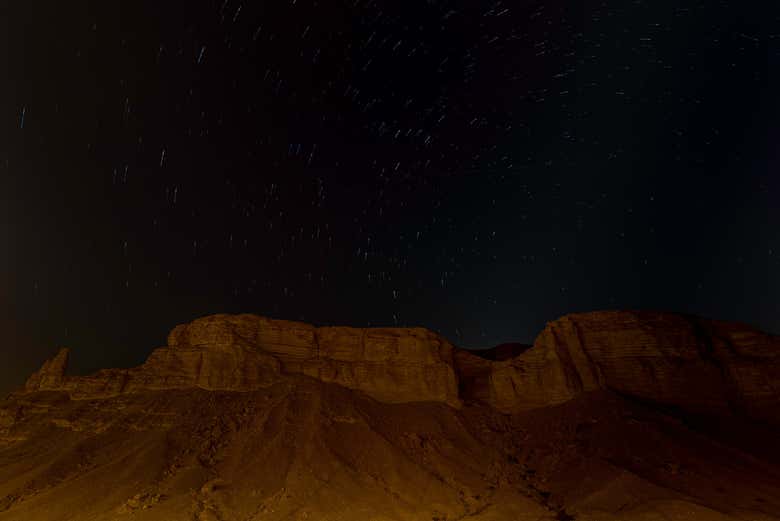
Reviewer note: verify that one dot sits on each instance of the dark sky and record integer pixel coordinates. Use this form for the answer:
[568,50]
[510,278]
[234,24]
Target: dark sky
[478,168]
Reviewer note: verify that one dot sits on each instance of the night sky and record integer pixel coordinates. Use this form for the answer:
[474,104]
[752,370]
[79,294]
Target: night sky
[478,168]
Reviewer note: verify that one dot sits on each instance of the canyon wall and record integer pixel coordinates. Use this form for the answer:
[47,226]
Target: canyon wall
[244,352]
[699,366]
[691,364]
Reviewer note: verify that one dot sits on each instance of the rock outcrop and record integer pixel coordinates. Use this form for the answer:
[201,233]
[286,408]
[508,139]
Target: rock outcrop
[699,366]
[51,373]
[232,419]
[390,364]
[230,368]
[245,352]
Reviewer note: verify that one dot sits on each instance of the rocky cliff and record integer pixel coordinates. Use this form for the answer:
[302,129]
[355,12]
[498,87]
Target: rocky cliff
[247,352]
[698,366]
[242,417]
[51,374]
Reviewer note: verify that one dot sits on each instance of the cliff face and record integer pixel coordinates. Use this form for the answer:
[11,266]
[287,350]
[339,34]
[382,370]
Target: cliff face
[699,366]
[51,374]
[317,430]
[246,352]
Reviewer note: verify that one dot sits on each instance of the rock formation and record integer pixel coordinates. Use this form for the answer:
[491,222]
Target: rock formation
[245,352]
[241,417]
[502,351]
[234,367]
[51,374]
[698,366]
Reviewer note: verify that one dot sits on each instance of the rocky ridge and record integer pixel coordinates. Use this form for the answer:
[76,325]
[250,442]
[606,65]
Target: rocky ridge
[697,366]
[249,352]
[241,417]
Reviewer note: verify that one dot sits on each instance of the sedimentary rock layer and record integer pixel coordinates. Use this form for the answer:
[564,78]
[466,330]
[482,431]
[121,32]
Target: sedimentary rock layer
[244,352]
[699,366]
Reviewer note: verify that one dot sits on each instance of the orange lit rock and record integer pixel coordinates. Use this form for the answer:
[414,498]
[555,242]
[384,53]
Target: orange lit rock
[391,364]
[699,366]
[245,352]
[51,374]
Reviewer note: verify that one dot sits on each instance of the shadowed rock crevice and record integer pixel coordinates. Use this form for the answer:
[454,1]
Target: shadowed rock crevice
[502,352]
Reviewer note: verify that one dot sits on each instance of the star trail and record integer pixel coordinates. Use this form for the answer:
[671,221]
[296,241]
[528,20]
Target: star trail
[478,168]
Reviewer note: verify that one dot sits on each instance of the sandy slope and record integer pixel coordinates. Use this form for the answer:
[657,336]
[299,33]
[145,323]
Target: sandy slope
[307,450]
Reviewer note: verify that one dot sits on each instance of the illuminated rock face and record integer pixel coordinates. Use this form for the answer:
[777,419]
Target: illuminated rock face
[232,368]
[245,352]
[699,366]
[391,364]
[243,417]
[51,374]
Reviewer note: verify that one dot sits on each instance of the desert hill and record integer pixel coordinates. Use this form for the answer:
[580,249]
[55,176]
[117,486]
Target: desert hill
[608,416]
